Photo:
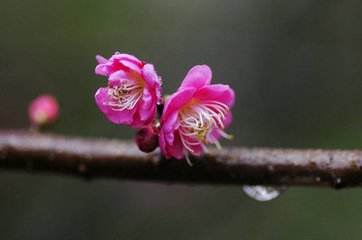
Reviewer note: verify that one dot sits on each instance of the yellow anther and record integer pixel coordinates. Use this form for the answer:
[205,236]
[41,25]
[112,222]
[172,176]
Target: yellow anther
[229,136]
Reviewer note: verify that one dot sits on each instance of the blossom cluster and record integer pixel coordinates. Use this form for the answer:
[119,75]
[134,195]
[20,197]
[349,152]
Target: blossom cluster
[192,117]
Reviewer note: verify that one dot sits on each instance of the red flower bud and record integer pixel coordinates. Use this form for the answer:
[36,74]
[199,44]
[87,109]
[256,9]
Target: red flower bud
[147,138]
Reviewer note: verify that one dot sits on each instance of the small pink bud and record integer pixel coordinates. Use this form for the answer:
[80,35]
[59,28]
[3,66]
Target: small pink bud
[43,110]
[147,138]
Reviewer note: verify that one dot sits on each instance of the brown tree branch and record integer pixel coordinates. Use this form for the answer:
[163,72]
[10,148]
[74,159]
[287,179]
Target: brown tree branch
[92,158]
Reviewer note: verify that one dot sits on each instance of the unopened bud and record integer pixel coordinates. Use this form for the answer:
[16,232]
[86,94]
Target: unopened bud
[147,138]
[43,110]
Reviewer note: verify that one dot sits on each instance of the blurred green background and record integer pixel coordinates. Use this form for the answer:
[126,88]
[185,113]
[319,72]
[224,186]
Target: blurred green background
[296,69]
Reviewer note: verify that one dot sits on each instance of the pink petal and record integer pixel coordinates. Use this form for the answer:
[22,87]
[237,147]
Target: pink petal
[101,59]
[170,141]
[177,148]
[116,78]
[177,101]
[147,106]
[102,69]
[118,61]
[150,76]
[131,66]
[119,117]
[137,122]
[216,92]
[125,56]
[197,77]
[106,69]
[170,123]
[163,145]
[228,119]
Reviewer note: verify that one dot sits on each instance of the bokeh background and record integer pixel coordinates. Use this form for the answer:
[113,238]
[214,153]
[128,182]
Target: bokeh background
[296,69]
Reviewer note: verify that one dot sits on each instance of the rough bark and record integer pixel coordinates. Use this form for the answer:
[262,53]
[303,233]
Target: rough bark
[93,158]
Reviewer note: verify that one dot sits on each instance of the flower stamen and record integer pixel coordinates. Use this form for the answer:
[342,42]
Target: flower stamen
[126,95]
[199,121]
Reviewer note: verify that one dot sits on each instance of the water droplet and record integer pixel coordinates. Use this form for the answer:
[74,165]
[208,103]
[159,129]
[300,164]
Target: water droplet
[263,193]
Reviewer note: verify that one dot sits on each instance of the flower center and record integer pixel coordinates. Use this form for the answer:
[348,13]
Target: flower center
[126,95]
[199,120]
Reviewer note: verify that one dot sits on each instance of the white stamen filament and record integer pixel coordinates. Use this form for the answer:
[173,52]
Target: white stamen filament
[198,120]
[126,95]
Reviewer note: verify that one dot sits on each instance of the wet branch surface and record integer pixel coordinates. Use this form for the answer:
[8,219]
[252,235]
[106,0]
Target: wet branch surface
[95,158]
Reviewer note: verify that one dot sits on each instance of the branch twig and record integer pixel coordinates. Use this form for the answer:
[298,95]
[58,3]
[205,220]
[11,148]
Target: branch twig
[92,158]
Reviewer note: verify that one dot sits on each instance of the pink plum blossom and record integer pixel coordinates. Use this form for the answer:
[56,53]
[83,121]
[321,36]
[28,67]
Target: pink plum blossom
[133,90]
[43,110]
[195,115]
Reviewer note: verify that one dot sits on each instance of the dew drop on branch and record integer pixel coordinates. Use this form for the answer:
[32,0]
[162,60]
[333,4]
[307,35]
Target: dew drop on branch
[263,193]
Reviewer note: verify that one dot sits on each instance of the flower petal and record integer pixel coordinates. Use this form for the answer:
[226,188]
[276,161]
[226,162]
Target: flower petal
[150,76]
[216,92]
[147,106]
[118,117]
[119,61]
[126,57]
[170,124]
[131,66]
[116,77]
[176,150]
[101,59]
[102,69]
[163,145]
[197,77]
[177,101]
